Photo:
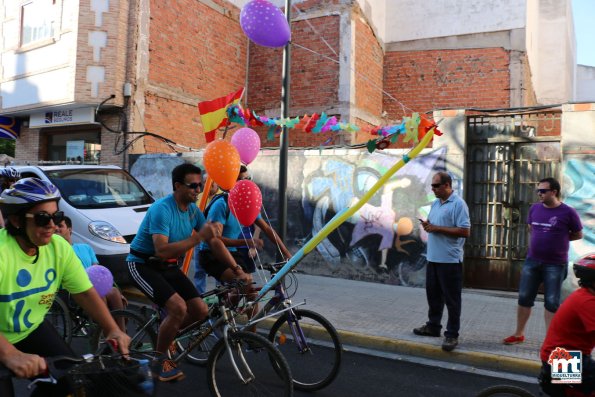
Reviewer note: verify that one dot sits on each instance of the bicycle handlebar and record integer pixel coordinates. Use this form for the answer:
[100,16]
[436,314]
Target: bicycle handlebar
[224,288]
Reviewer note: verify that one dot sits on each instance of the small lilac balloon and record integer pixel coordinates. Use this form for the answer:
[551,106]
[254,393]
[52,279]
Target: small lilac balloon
[101,278]
[265,24]
[247,142]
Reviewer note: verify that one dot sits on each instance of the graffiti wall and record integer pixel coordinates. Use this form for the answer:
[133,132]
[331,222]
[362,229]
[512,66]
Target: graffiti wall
[383,242]
[579,193]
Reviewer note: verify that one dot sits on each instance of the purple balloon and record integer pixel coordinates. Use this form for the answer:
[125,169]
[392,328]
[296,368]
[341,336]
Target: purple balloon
[265,24]
[101,278]
[247,141]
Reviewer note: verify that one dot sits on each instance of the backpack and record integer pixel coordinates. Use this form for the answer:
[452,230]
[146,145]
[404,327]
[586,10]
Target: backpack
[216,197]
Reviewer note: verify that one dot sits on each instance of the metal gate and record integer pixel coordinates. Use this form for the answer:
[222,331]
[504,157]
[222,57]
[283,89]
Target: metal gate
[507,155]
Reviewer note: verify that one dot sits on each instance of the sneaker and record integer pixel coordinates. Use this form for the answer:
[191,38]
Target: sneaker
[513,340]
[424,330]
[169,371]
[449,344]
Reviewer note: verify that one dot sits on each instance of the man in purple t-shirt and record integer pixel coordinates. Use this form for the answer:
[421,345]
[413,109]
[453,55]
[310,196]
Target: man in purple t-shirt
[552,225]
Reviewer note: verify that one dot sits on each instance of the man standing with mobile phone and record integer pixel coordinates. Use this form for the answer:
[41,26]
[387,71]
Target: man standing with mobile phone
[448,225]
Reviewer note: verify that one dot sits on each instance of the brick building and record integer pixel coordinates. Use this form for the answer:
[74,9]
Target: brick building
[99,74]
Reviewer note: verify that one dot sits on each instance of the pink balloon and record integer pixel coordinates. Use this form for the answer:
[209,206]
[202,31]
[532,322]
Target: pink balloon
[247,142]
[245,201]
[265,24]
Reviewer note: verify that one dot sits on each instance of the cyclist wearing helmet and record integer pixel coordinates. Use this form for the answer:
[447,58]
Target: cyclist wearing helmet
[573,328]
[8,176]
[34,262]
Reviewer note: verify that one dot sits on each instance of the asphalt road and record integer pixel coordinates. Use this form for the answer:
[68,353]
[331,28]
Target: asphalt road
[367,375]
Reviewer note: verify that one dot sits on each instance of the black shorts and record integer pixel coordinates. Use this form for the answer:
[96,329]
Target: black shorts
[213,267]
[160,285]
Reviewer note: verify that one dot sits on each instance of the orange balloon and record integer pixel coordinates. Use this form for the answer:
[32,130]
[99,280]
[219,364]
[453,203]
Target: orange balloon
[222,162]
[404,226]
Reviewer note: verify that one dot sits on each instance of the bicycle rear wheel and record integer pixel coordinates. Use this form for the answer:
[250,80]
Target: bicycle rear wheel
[253,356]
[59,317]
[141,332]
[504,391]
[314,360]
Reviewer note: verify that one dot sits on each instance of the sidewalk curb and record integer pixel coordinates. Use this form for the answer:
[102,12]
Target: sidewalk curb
[489,361]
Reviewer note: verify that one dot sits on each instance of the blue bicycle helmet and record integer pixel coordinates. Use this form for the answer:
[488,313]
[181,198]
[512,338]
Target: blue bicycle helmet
[10,173]
[26,193]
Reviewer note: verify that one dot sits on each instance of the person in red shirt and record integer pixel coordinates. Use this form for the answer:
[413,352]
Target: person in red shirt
[573,328]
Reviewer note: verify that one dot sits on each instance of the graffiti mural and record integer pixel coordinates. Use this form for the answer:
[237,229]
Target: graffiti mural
[579,193]
[383,241]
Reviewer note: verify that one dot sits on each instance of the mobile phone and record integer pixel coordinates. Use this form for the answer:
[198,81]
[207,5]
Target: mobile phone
[421,220]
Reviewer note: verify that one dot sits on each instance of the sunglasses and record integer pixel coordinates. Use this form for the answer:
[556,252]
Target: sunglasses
[436,185]
[542,191]
[43,218]
[193,186]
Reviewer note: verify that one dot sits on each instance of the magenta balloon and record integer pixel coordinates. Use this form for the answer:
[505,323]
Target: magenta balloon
[247,142]
[265,24]
[245,201]
[101,278]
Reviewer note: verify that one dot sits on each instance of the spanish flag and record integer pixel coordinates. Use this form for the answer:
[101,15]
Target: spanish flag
[213,114]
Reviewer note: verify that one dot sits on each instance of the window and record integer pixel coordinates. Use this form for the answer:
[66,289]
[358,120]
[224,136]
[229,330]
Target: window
[37,21]
[77,145]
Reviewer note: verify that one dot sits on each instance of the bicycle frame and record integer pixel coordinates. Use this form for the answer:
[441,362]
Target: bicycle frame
[280,303]
[226,322]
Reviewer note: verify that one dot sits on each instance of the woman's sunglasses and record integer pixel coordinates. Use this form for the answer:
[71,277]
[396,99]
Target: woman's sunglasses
[43,218]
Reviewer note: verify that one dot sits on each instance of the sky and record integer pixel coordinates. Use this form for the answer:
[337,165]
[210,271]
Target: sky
[584,29]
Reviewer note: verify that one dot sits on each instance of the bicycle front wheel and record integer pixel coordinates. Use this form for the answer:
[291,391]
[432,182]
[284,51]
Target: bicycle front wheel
[504,391]
[311,346]
[251,366]
[141,332]
[59,317]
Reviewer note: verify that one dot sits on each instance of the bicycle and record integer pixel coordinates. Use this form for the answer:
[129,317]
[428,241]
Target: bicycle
[105,373]
[238,362]
[297,333]
[70,320]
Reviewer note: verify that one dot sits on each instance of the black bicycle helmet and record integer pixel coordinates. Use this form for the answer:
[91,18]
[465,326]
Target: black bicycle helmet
[584,270]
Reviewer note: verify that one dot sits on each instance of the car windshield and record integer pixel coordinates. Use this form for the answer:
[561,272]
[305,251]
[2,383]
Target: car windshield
[99,188]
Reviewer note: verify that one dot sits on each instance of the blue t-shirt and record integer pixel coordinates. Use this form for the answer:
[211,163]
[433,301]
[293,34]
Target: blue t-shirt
[86,254]
[219,212]
[165,217]
[452,213]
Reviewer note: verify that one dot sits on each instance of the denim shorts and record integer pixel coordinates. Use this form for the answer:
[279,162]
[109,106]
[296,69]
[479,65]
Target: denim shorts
[534,273]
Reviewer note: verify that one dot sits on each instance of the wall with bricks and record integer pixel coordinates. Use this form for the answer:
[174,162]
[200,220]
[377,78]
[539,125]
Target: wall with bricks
[201,56]
[101,54]
[314,82]
[368,65]
[27,148]
[434,79]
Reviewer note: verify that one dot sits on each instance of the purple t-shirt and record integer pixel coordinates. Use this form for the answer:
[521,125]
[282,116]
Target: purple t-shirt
[550,228]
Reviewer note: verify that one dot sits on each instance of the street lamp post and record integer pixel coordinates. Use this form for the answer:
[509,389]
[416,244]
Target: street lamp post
[284,141]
